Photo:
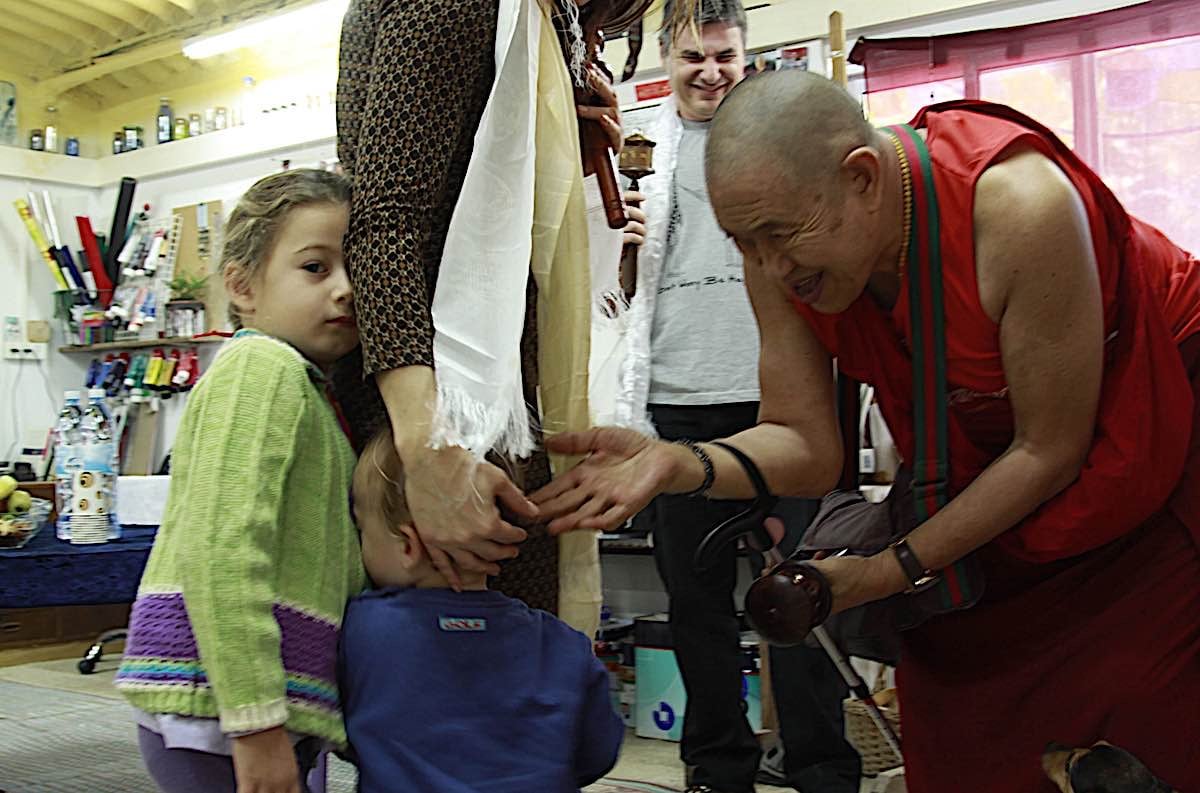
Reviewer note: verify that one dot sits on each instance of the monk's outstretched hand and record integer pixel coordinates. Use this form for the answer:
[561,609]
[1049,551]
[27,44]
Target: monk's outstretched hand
[622,471]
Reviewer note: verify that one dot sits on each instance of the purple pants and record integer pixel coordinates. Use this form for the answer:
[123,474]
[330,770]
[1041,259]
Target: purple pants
[189,771]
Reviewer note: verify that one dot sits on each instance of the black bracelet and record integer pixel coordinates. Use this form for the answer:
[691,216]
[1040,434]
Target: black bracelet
[709,472]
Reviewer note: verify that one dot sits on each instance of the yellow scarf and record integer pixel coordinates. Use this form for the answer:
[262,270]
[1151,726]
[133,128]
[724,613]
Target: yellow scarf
[559,263]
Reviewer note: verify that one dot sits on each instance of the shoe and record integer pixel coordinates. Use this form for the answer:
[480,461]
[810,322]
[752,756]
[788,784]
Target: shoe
[702,789]
[770,768]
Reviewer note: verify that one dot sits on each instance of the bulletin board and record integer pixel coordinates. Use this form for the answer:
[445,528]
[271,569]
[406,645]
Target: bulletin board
[200,239]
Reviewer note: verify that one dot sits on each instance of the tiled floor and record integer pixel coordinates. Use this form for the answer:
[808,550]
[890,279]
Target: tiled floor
[650,760]
[642,759]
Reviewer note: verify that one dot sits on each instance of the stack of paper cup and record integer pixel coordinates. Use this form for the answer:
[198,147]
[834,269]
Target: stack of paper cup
[89,516]
[89,529]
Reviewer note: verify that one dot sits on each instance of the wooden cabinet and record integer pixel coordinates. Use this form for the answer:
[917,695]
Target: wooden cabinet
[27,627]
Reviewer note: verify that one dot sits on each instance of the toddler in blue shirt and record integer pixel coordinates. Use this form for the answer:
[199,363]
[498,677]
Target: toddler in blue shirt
[460,692]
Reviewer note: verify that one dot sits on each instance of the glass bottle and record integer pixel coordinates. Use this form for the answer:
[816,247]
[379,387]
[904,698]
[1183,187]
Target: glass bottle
[165,121]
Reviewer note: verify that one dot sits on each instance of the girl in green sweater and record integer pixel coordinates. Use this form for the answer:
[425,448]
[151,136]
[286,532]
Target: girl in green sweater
[232,648]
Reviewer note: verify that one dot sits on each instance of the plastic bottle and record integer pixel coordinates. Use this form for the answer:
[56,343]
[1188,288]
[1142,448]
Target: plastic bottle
[66,459]
[99,455]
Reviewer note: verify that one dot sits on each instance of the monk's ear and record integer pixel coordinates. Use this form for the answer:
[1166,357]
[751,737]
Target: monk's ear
[862,174]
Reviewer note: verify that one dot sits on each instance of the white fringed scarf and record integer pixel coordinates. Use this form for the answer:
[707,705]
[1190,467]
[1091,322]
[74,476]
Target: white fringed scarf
[522,210]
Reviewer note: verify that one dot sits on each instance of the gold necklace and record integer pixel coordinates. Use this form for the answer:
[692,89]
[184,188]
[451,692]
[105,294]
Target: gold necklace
[906,179]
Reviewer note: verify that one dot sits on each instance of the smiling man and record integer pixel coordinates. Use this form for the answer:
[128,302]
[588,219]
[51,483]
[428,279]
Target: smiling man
[691,373]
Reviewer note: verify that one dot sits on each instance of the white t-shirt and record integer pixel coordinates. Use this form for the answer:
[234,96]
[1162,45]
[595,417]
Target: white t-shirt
[704,344]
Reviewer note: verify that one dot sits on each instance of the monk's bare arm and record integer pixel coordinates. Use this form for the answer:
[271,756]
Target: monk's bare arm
[1038,278]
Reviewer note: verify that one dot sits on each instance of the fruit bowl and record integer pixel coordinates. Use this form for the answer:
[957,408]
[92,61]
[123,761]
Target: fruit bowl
[17,530]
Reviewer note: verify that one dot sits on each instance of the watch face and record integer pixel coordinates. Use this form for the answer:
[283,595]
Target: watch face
[925,582]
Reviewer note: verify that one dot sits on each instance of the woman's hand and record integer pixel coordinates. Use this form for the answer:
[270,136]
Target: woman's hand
[455,504]
[607,113]
[264,762]
[855,580]
[635,230]
[623,471]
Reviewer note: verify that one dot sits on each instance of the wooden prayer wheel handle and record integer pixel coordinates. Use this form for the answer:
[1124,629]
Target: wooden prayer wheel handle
[788,601]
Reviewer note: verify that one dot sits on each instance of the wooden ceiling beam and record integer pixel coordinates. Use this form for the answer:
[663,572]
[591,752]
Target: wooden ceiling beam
[114,94]
[166,14]
[83,31]
[125,80]
[130,13]
[132,76]
[110,64]
[174,64]
[113,27]
[84,97]
[31,51]
[61,43]
[155,72]
[16,67]
[106,89]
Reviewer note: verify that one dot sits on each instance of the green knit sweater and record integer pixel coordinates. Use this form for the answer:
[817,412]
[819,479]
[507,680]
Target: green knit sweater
[240,606]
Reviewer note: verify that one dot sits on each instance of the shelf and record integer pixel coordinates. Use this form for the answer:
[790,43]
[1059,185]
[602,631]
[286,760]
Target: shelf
[40,166]
[625,544]
[623,550]
[273,134]
[141,344]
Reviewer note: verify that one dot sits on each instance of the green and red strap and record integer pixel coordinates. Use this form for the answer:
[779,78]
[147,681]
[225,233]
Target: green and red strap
[927,316]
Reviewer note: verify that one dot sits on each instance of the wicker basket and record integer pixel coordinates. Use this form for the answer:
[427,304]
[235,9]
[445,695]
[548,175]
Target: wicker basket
[862,733]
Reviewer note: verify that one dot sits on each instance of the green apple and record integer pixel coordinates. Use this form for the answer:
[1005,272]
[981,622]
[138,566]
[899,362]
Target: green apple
[19,502]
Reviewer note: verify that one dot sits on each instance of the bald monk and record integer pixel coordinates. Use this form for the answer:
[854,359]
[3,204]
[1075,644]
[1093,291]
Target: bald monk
[1073,368]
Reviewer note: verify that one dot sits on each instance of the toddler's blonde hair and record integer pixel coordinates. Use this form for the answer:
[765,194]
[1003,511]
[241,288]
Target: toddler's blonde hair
[379,485]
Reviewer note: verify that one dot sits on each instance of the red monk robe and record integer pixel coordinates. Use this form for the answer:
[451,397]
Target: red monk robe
[1089,627]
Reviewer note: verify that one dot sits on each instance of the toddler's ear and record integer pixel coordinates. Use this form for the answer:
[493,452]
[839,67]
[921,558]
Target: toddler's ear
[414,550]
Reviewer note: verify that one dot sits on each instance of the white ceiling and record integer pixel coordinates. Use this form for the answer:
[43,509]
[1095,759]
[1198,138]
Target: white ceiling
[103,50]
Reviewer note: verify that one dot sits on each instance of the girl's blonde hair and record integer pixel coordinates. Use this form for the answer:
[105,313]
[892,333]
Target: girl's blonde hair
[255,221]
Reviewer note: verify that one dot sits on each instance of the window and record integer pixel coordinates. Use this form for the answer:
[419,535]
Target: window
[1121,87]
[899,105]
[1039,90]
[1148,127]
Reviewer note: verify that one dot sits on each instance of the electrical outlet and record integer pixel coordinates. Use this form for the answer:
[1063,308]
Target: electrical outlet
[25,351]
[16,346]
